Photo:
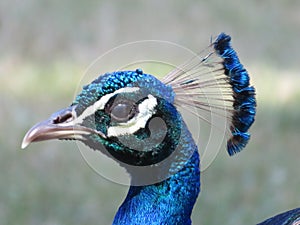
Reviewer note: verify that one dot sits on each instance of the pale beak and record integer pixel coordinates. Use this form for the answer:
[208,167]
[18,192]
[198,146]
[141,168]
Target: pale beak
[61,125]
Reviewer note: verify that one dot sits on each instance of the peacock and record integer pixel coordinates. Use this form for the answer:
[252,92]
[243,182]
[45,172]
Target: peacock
[135,119]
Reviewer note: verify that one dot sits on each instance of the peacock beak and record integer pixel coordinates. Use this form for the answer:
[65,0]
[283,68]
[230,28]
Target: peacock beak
[61,125]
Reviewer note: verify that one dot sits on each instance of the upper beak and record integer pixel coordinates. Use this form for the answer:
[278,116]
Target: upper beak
[61,125]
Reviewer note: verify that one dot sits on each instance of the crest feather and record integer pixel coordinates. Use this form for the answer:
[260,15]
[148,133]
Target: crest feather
[215,81]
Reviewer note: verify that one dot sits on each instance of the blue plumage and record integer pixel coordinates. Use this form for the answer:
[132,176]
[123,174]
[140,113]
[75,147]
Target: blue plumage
[291,217]
[111,82]
[171,200]
[168,202]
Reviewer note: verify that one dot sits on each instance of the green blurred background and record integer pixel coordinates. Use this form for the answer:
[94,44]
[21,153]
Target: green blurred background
[45,47]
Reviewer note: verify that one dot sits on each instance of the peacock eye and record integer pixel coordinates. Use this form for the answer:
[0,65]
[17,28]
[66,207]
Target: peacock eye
[123,111]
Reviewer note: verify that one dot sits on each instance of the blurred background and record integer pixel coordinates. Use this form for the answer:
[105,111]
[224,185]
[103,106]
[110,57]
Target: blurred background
[45,47]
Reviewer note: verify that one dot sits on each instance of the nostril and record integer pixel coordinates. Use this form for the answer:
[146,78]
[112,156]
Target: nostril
[63,118]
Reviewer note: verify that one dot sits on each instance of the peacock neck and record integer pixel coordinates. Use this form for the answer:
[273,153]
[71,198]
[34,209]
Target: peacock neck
[167,202]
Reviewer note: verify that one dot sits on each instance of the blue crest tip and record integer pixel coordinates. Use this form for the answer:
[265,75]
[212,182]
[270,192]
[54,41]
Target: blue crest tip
[244,95]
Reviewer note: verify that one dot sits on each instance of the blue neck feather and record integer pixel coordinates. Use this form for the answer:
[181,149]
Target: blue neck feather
[168,202]
[291,217]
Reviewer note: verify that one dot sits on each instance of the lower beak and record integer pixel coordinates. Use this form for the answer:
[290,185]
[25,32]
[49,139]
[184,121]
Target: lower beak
[61,125]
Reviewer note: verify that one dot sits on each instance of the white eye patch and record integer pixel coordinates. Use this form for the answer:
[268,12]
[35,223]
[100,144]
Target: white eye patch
[99,105]
[146,109]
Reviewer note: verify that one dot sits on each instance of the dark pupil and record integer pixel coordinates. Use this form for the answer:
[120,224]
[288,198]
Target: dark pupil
[122,112]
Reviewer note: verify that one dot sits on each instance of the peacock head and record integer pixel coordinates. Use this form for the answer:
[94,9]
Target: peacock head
[132,116]
[128,115]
